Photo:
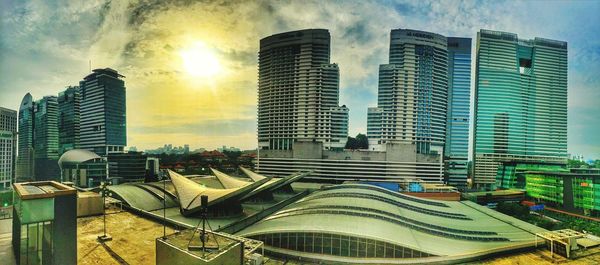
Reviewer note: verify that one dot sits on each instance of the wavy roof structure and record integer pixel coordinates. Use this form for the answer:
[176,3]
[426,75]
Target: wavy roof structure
[366,224]
[274,183]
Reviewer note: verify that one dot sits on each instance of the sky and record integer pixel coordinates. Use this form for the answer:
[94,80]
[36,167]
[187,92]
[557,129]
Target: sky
[48,45]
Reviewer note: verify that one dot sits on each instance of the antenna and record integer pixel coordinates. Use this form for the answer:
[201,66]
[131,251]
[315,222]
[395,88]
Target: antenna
[204,213]
[203,235]
[90,65]
[164,207]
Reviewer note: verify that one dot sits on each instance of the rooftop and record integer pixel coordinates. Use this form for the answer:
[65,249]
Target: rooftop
[43,189]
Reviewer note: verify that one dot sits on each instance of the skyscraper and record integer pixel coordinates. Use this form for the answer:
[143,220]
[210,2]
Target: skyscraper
[8,142]
[412,94]
[456,149]
[25,151]
[69,104]
[103,112]
[520,102]
[298,92]
[408,125]
[45,139]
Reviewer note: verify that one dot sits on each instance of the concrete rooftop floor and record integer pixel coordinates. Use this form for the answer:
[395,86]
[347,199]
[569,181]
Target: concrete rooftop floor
[133,239]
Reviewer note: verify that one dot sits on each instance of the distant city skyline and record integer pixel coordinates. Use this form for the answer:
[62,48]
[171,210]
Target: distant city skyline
[47,46]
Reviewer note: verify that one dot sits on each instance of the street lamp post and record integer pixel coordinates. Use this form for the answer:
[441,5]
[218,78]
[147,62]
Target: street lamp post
[104,193]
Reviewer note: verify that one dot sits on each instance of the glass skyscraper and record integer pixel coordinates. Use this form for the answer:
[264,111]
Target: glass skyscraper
[520,102]
[103,112]
[25,136]
[45,139]
[69,107]
[457,120]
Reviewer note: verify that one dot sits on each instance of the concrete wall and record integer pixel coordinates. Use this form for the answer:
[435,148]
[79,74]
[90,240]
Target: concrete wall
[396,152]
[308,150]
[355,155]
[89,204]
[64,231]
[276,153]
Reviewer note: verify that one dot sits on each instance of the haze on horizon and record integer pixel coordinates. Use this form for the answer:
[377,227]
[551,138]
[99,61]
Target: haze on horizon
[191,66]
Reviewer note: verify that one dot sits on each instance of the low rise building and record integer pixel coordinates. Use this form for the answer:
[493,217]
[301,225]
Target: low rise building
[44,223]
[576,190]
[398,162]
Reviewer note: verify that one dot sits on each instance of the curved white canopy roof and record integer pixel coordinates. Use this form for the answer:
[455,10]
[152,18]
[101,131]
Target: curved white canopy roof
[274,183]
[77,156]
[231,182]
[228,181]
[189,193]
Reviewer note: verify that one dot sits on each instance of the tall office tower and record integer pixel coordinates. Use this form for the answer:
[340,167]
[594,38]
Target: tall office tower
[45,139]
[68,119]
[298,92]
[8,146]
[520,102]
[103,110]
[457,122]
[412,95]
[25,136]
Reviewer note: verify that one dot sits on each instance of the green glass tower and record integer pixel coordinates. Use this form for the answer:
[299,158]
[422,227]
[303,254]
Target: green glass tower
[45,139]
[520,102]
[69,105]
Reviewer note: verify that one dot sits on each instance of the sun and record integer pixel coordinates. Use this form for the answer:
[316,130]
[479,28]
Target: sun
[200,61]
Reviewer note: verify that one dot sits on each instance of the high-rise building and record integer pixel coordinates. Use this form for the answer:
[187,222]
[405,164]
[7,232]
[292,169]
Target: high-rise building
[412,94]
[69,103]
[25,136]
[410,120]
[520,102]
[298,92]
[456,149]
[103,112]
[45,139]
[8,146]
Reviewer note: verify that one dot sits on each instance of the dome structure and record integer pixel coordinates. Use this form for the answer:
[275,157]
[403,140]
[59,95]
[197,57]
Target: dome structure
[77,156]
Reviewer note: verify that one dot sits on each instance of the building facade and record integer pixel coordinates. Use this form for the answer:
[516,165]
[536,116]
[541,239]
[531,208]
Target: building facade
[456,148]
[8,146]
[520,102]
[298,92]
[406,131]
[44,223]
[412,93]
[127,167]
[45,139]
[103,112]
[576,190]
[511,174]
[25,136]
[69,108]
[399,162]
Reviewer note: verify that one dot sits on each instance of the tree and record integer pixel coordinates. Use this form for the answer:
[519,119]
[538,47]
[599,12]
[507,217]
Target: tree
[577,164]
[360,142]
[363,141]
